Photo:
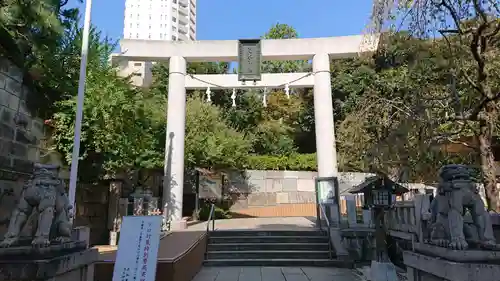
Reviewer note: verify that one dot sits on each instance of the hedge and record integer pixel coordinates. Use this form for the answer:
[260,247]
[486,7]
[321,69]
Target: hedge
[294,162]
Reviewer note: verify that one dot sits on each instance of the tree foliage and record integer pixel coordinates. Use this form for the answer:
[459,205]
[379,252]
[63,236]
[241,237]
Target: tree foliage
[210,141]
[118,128]
[32,36]
[470,32]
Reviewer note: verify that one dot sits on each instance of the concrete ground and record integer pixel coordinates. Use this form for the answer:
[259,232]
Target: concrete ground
[271,273]
[276,223]
[276,274]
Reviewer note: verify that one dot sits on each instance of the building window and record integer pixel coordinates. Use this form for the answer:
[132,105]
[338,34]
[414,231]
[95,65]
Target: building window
[149,26]
[137,25]
[137,35]
[149,36]
[137,64]
[174,19]
[137,16]
[161,36]
[174,38]
[130,35]
[130,25]
[149,16]
[174,28]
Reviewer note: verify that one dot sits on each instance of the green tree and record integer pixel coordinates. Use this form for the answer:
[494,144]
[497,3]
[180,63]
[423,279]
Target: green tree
[116,131]
[31,33]
[121,123]
[210,141]
[283,31]
[277,132]
[61,75]
[471,31]
[390,118]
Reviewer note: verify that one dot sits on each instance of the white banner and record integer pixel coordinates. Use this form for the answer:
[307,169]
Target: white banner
[138,248]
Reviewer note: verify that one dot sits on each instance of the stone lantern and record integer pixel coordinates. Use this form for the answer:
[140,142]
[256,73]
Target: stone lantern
[379,192]
[141,202]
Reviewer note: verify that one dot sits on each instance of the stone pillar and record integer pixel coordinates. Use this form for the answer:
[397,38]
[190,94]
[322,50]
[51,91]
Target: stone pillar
[324,125]
[352,218]
[81,233]
[173,182]
[114,216]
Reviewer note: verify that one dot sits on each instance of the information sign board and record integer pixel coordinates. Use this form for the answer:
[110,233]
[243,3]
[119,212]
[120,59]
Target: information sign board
[210,186]
[138,248]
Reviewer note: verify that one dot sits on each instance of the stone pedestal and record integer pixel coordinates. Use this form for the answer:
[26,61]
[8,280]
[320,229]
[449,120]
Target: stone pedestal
[25,264]
[383,271]
[81,233]
[178,225]
[433,263]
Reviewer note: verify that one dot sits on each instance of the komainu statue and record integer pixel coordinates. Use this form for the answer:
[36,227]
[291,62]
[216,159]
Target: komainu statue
[457,196]
[43,195]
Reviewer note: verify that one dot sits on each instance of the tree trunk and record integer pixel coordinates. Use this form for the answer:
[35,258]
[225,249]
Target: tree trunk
[488,166]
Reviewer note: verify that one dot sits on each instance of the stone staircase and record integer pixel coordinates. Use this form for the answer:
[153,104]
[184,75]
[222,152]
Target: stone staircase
[270,248]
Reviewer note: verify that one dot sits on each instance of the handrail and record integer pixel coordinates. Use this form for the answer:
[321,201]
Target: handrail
[323,212]
[211,218]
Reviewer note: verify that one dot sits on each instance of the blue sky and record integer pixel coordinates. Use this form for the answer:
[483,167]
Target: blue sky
[235,19]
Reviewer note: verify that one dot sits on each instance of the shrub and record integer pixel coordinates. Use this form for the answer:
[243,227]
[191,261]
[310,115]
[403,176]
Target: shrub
[219,213]
[293,162]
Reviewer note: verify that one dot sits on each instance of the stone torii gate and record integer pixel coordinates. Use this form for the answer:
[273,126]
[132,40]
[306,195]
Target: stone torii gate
[319,50]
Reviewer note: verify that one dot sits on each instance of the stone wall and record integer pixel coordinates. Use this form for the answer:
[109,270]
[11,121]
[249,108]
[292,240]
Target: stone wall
[22,137]
[20,132]
[272,193]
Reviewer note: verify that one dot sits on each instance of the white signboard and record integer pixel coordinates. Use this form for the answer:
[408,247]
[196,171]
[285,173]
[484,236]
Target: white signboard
[138,249]
[326,192]
[210,187]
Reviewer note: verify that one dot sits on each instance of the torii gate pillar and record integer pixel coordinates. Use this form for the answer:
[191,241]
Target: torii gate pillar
[173,181]
[326,152]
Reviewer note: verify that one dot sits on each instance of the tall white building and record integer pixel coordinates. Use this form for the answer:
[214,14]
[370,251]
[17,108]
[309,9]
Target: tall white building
[156,20]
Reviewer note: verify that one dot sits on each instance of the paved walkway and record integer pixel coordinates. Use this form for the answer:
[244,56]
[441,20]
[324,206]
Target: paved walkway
[276,274]
[276,223]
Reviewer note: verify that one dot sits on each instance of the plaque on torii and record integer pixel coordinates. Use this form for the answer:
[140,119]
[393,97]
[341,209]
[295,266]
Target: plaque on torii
[249,60]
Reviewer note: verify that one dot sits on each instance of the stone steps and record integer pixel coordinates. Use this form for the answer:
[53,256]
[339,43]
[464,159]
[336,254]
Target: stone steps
[267,239]
[280,262]
[270,248]
[260,233]
[267,246]
[269,254]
